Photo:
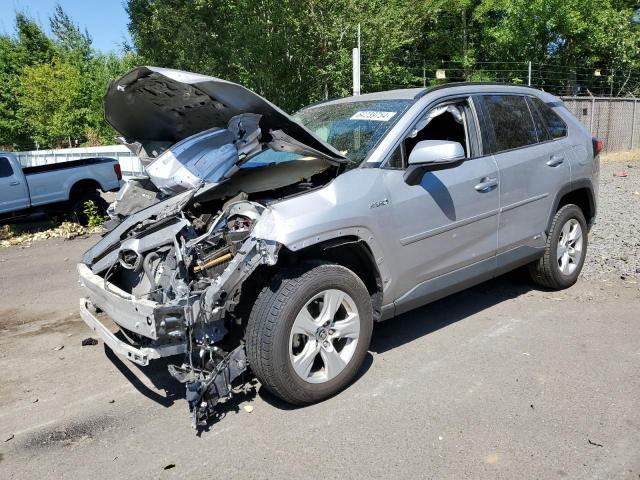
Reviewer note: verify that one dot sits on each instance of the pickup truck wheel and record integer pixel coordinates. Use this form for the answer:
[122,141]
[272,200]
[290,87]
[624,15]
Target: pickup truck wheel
[77,206]
[565,251]
[309,331]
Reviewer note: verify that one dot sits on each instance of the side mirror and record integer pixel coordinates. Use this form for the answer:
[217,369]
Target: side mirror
[436,152]
[432,155]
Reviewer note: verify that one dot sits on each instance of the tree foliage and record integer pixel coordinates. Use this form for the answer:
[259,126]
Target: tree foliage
[296,52]
[51,89]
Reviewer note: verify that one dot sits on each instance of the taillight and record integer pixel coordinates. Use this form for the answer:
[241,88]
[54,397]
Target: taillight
[116,168]
[597,146]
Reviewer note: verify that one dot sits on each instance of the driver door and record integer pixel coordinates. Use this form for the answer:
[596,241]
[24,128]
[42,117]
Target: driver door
[445,228]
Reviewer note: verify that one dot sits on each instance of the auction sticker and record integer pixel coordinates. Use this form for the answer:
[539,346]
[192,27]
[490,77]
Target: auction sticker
[373,116]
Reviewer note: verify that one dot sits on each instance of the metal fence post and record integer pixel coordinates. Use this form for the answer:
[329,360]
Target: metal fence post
[593,109]
[633,123]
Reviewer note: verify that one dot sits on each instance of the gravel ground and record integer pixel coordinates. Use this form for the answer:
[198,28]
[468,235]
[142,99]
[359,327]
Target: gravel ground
[614,241]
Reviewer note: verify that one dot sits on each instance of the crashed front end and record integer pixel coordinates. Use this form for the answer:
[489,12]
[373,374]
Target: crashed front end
[173,290]
[182,238]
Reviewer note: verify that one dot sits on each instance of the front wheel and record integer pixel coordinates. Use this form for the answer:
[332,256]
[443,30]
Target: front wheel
[565,251]
[309,332]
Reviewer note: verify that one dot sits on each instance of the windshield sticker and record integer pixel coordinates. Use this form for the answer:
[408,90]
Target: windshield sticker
[373,115]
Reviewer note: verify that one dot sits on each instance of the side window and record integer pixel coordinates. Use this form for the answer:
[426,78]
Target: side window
[541,128]
[5,168]
[512,122]
[448,121]
[555,125]
[395,160]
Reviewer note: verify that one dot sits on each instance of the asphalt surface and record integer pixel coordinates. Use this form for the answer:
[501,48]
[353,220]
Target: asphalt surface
[500,381]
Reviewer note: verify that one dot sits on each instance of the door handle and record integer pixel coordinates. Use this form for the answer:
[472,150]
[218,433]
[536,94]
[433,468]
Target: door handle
[13,184]
[486,184]
[555,160]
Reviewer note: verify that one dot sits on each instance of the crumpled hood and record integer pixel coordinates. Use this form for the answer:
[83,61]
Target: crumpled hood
[158,107]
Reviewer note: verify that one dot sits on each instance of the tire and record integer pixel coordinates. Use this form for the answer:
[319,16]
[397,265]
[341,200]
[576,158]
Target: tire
[273,345]
[557,268]
[77,206]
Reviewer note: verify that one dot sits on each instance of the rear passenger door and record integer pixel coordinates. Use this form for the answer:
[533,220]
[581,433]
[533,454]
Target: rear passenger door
[532,168]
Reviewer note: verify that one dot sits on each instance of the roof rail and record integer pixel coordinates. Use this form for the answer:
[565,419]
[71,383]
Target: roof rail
[462,84]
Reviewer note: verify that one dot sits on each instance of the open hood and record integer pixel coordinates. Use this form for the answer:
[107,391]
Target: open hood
[158,107]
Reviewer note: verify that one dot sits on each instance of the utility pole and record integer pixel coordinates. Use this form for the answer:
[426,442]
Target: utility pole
[529,76]
[356,67]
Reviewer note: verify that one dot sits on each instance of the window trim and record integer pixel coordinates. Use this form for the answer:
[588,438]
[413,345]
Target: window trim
[436,103]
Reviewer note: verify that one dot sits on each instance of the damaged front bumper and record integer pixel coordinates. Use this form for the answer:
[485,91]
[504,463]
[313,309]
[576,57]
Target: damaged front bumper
[195,321]
[141,356]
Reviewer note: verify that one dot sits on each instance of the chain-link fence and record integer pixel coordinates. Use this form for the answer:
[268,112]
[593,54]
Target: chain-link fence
[612,120]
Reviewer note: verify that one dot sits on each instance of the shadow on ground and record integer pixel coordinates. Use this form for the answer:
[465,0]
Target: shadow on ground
[425,320]
[386,336]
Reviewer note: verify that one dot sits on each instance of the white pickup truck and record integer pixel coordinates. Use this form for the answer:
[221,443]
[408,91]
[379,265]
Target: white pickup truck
[55,188]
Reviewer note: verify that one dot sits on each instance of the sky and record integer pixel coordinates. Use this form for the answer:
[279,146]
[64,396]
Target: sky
[105,20]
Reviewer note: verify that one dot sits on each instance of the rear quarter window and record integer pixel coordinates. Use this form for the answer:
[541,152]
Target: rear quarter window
[5,167]
[511,120]
[555,126]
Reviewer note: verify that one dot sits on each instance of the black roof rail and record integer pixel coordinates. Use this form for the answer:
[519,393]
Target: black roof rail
[463,84]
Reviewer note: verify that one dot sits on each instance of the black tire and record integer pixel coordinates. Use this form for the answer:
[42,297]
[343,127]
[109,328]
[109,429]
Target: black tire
[546,270]
[77,206]
[272,318]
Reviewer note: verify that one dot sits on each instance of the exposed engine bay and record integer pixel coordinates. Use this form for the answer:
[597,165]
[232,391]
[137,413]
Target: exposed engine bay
[189,265]
[182,240]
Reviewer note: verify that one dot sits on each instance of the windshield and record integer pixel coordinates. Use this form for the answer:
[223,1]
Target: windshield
[353,128]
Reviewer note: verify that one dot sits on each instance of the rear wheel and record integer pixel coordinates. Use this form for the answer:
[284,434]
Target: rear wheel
[565,251]
[79,205]
[309,332]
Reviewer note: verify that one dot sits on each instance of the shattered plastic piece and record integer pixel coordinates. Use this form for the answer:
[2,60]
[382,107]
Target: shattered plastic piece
[594,443]
[89,341]
[620,173]
[57,349]
[170,466]
[248,408]
[10,437]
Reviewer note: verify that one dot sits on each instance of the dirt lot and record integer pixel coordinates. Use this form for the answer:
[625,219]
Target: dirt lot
[500,381]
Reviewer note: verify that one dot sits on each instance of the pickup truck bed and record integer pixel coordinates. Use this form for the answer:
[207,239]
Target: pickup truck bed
[59,187]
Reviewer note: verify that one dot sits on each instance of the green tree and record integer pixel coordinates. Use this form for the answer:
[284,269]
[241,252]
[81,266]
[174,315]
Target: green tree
[51,103]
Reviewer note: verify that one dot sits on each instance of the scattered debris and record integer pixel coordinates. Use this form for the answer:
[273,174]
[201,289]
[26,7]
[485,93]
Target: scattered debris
[35,400]
[594,443]
[112,401]
[620,173]
[532,407]
[10,437]
[89,341]
[66,230]
[440,437]
[248,408]
[170,466]
[527,354]
[57,349]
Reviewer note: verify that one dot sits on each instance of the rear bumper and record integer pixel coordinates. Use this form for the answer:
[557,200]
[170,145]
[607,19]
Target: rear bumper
[141,356]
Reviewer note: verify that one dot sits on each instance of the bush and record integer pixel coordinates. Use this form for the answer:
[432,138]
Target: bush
[94,218]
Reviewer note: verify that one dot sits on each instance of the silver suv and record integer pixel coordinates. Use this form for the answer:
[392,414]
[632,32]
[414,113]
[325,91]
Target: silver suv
[264,241]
